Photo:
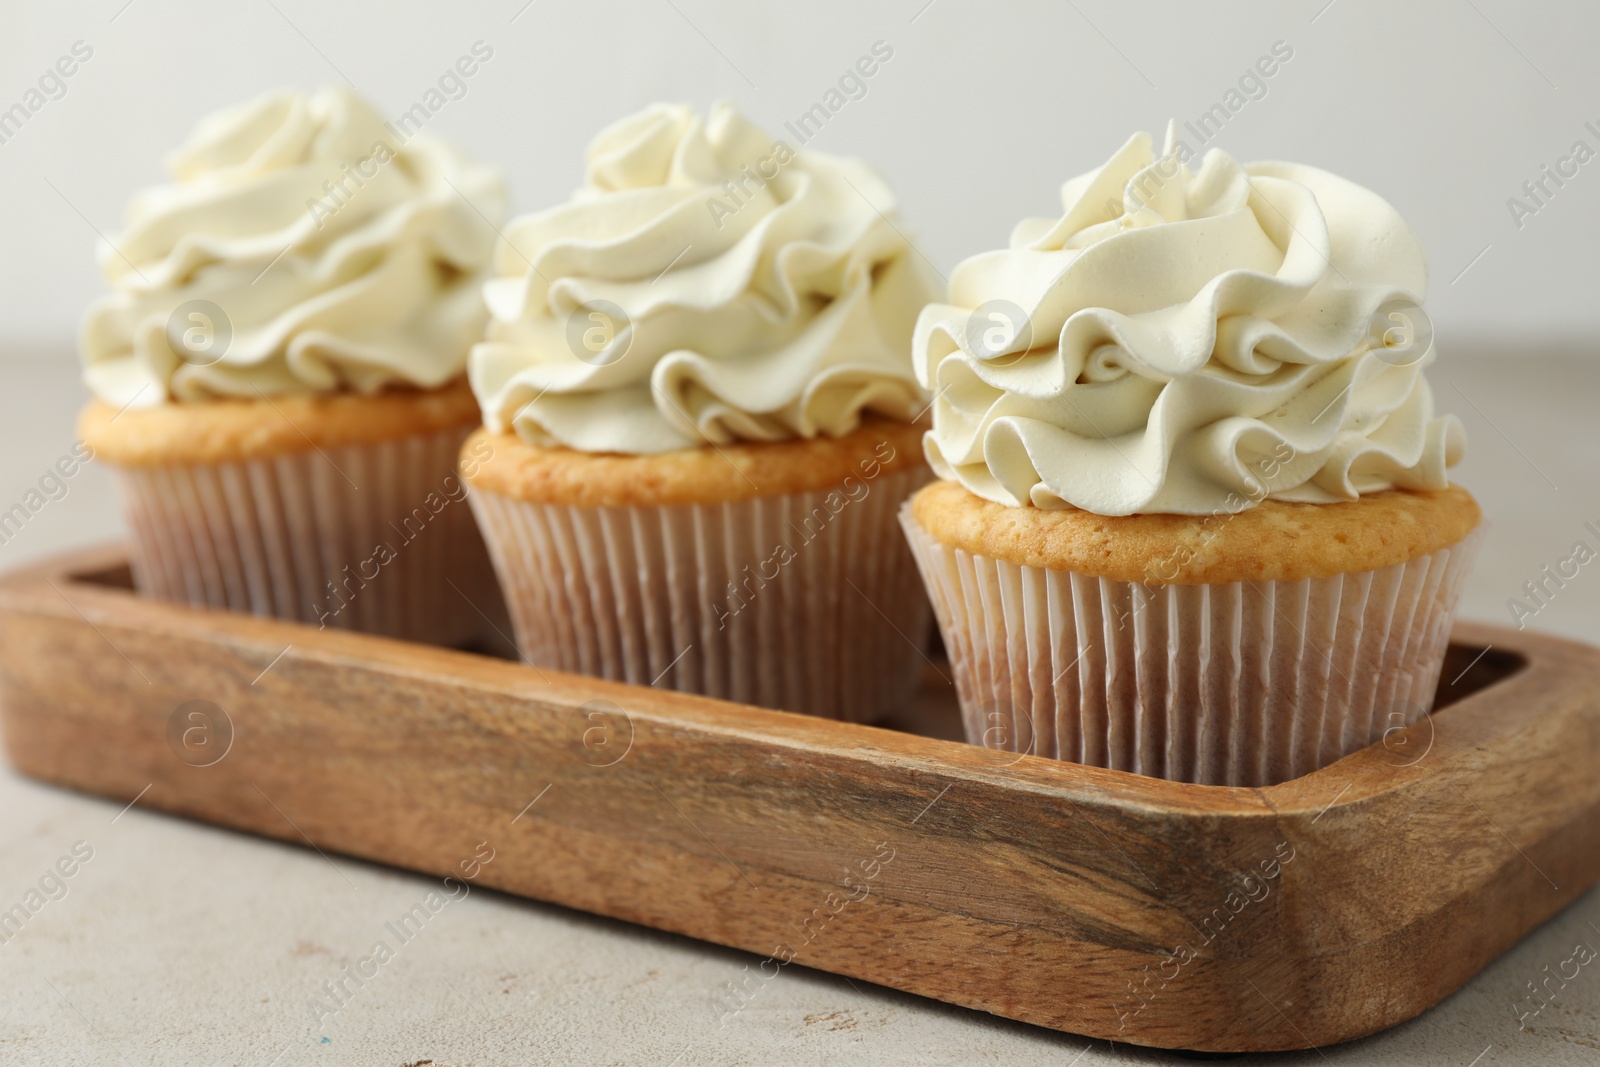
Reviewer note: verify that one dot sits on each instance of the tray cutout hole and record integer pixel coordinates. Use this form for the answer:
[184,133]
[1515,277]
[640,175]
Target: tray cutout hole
[116,576]
[1470,669]
[119,576]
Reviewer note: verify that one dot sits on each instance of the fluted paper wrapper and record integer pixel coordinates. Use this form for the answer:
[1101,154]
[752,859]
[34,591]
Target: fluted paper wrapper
[1244,684]
[704,598]
[365,537]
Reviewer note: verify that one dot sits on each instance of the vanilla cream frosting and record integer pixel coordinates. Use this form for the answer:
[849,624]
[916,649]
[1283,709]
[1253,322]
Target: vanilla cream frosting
[1191,342]
[705,285]
[304,245]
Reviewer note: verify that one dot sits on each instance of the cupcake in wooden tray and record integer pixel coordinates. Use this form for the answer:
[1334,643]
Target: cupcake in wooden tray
[1193,518]
[279,370]
[699,407]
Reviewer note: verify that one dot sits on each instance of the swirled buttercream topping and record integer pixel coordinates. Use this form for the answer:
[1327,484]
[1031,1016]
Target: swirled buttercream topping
[303,245]
[705,285]
[1189,341]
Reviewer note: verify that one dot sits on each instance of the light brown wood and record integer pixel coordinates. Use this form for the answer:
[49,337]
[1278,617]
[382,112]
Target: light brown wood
[1048,892]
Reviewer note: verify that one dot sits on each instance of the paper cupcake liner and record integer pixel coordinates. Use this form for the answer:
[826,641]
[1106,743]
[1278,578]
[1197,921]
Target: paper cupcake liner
[1244,684]
[364,537]
[795,602]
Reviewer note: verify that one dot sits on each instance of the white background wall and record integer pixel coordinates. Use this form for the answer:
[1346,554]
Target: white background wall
[1444,106]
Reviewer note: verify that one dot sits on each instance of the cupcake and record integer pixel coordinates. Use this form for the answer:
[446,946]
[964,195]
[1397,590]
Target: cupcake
[699,421]
[279,369]
[1192,517]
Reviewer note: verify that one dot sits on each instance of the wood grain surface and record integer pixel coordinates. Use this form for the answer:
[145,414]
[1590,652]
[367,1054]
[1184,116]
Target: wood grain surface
[1081,899]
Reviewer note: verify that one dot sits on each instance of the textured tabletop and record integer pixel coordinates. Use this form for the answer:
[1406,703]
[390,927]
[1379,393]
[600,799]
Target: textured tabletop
[176,943]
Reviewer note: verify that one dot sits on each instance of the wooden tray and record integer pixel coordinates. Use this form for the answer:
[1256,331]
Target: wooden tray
[1086,900]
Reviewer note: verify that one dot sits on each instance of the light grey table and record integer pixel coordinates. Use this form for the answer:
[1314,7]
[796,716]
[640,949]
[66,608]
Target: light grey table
[179,943]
